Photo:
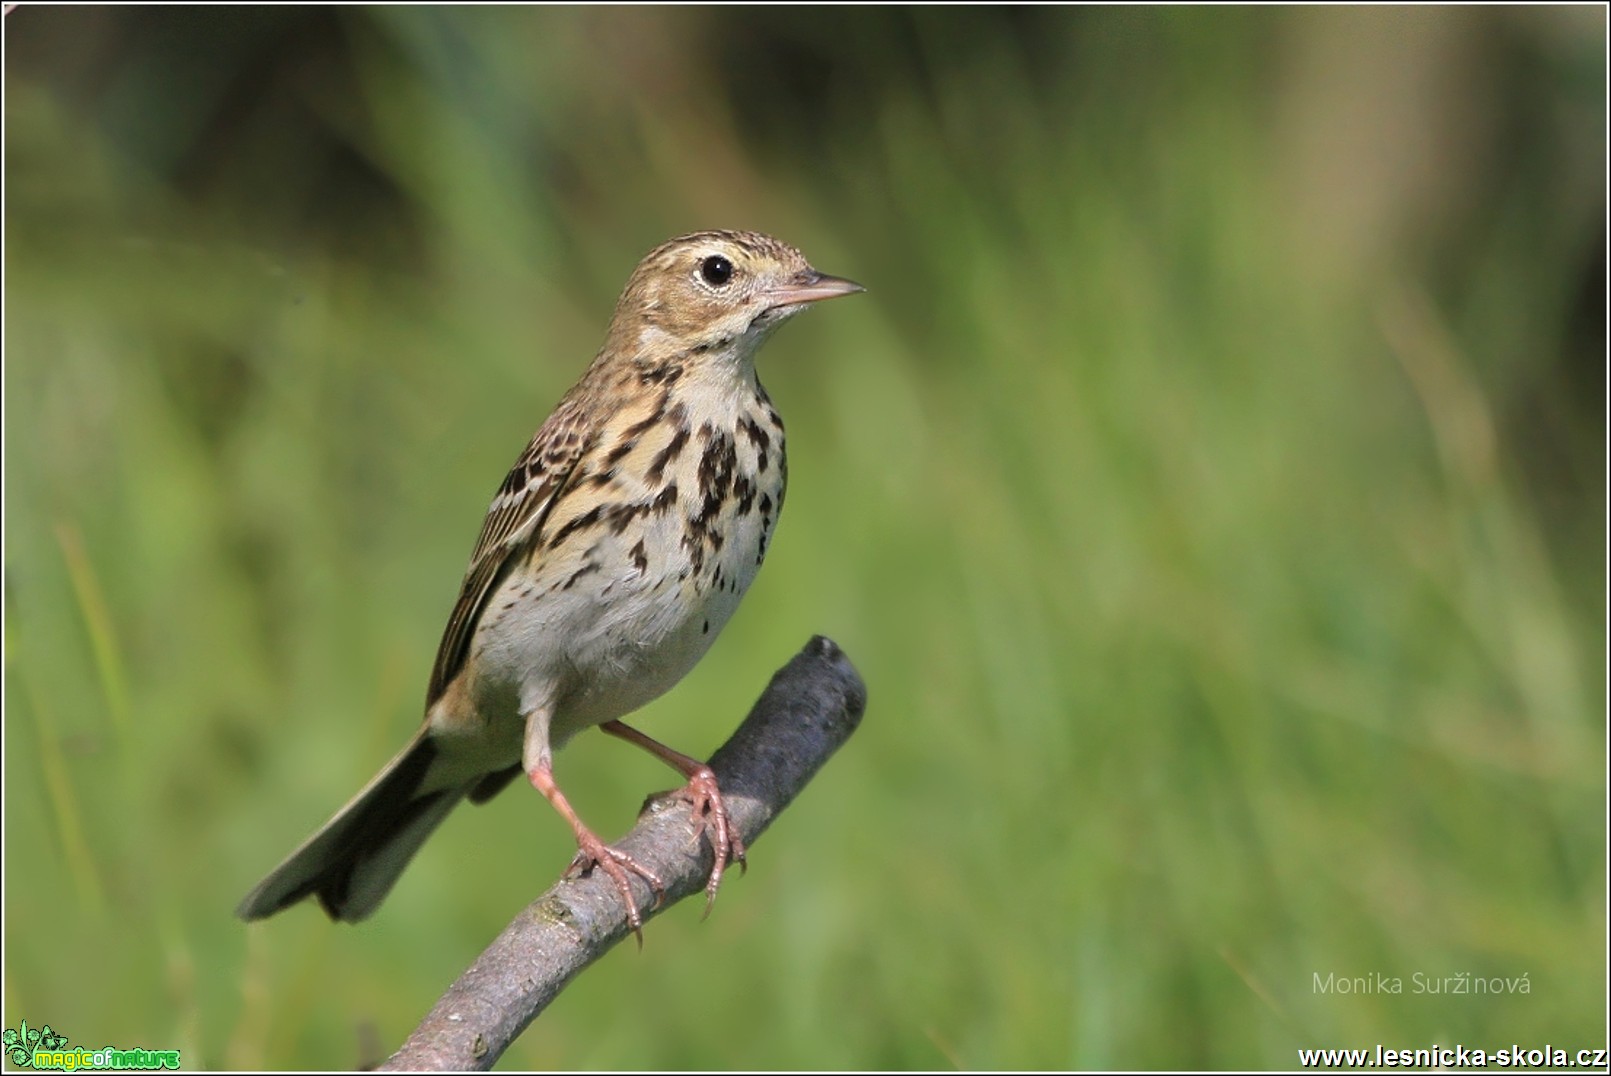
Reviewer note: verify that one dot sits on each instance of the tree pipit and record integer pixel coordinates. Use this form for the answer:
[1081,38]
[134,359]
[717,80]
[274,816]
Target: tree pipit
[612,555]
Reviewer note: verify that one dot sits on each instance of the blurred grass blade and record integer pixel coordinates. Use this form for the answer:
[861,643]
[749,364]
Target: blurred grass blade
[63,800]
[98,621]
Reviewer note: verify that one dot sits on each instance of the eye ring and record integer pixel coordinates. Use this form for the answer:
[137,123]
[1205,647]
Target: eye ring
[716,270]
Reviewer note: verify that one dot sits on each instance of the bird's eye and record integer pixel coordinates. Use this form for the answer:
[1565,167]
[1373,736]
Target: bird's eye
[716,270]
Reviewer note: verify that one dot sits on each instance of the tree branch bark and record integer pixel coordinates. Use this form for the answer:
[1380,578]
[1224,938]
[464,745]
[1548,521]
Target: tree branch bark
[811,706]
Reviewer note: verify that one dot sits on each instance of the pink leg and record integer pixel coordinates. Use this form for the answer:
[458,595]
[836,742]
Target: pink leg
[594,852]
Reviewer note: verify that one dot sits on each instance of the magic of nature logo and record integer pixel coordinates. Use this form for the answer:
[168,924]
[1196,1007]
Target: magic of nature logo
[41,1048]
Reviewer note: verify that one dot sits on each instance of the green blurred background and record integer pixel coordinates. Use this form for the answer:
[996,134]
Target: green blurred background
[1210,488]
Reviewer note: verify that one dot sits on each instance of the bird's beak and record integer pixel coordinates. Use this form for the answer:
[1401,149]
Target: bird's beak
[810,287]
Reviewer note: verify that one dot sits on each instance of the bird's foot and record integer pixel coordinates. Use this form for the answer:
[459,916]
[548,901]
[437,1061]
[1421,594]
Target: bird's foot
[592,852]
[710,816]
[702,793]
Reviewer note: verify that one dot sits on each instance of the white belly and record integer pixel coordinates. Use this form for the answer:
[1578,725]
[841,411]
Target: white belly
[648,627]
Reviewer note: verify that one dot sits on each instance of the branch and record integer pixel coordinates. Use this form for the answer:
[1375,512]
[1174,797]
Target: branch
[811,706]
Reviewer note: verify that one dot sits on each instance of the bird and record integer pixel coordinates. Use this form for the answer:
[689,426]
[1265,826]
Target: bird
[611,556]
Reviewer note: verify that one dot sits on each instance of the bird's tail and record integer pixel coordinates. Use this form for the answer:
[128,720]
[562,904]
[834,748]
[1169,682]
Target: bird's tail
[353,861]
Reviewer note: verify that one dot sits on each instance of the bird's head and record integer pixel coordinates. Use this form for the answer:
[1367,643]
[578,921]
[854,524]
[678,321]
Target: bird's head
[715,293]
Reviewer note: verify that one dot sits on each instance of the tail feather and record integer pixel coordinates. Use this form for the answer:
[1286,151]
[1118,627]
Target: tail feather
[353,861]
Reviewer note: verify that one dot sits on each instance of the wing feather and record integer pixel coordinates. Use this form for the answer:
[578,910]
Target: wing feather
[513,520]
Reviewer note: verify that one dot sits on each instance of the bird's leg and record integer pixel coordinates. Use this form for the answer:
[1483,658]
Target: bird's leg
[591,851]
[710,810]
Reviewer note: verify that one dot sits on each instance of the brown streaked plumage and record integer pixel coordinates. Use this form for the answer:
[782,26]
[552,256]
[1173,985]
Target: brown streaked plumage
[614,551]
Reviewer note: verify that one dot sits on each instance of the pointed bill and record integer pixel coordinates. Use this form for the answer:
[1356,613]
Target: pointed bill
[810,287]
